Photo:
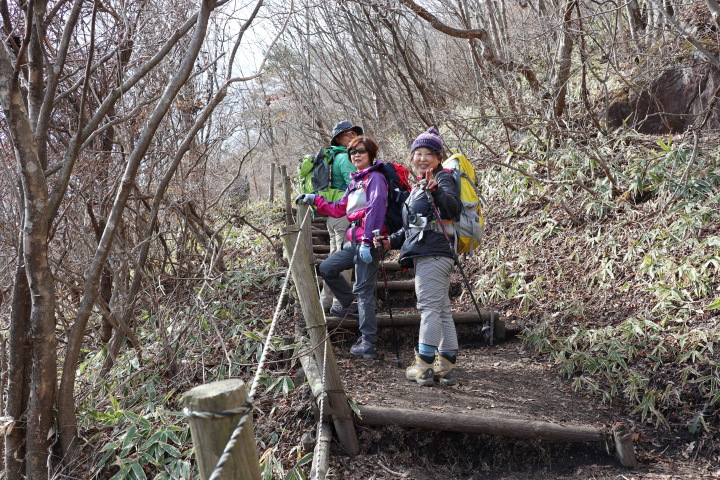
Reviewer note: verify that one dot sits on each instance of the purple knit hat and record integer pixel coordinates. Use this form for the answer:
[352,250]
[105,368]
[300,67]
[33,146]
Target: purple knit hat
[430,139]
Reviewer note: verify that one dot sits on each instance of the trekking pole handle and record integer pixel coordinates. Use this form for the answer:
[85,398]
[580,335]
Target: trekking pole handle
[378,234]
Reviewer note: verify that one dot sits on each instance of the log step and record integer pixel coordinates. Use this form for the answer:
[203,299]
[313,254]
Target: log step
[413,319]
[319,232]
[397,285]
[486,423]
[501,425]
[391,266]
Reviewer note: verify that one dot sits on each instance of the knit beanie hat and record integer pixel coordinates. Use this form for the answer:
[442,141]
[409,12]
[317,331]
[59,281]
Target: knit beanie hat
[430,139]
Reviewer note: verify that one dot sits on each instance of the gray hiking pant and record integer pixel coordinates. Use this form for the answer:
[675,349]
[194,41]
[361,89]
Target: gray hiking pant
[364,289]
[336,228]
[432,288]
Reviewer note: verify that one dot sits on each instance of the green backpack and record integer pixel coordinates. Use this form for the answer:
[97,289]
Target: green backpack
[315,174]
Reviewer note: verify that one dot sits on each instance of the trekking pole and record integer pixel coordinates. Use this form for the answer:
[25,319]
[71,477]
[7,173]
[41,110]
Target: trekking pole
[398,362]
[488,329]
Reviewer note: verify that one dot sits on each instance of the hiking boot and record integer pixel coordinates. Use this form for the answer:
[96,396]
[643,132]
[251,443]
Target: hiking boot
[444,370]
[340,311]
[364,348]
[420,371]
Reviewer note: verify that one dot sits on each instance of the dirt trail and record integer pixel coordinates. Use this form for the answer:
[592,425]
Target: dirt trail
[503,380]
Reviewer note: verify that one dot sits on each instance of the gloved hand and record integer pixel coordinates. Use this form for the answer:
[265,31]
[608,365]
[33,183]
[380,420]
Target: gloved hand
[365,253]
[306,198]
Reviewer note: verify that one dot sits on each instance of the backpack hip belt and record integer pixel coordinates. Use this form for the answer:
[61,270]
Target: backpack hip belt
[422,225]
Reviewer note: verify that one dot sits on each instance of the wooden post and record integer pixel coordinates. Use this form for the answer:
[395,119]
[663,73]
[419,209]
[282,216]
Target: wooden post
[272,182]
[287,186]
[624,450]
[321,454]
[314,379]
[305,237]
[303,274]
[210,436]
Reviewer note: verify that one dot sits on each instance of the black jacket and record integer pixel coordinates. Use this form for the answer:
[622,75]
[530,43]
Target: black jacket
[419,242]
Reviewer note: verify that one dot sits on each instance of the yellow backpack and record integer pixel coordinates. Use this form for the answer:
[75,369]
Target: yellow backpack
[470,226]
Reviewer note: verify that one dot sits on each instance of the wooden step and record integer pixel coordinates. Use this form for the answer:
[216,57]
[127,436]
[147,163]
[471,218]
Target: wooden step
[489,423]
[394,285]
[391,266]
[397,285]
[411,319]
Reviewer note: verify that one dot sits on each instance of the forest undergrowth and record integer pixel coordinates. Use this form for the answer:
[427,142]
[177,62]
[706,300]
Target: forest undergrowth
[615,270]
[607,251]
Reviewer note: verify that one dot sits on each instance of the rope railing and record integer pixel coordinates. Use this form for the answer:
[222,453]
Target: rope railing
[246,409]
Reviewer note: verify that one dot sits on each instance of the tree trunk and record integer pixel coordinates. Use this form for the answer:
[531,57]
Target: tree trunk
[66,404]
[19,368]
[564,60]
[40,416]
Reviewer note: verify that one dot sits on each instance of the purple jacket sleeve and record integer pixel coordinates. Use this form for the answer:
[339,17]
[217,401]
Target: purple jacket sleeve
[376,191]
[334,209]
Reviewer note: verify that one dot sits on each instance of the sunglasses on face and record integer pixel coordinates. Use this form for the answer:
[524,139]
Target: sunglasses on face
[358,151]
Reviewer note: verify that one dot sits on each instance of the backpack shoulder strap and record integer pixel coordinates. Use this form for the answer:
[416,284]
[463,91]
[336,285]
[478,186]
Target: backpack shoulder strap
[474,186]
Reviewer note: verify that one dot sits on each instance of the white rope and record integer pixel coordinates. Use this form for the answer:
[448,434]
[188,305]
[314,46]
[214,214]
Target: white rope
[322,380]
[325,398]
[256,380]
[251,395]
[210,415]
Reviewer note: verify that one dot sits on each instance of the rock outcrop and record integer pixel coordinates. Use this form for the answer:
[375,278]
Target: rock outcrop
[679,99]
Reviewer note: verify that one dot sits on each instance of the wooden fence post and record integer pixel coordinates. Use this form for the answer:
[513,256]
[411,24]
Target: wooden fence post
[211,435]
[303,273]
[272,182]
[287,188]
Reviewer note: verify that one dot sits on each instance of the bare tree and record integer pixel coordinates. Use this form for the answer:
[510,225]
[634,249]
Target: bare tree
[83,111]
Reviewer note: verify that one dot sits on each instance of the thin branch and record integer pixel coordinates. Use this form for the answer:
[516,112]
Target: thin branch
[697,44]
[686,174]
[575,182]
[714,10]
[241,218]
[476,33]
[237,175]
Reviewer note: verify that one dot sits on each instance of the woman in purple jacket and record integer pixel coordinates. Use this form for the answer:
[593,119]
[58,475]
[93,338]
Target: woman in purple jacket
[364,203]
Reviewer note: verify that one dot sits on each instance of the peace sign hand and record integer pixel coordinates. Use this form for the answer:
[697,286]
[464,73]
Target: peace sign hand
[430,183]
